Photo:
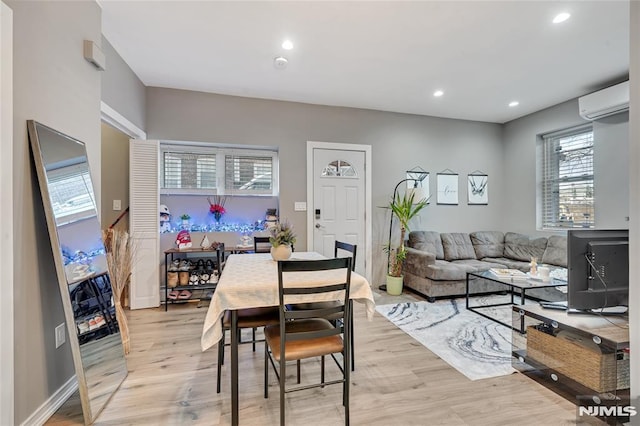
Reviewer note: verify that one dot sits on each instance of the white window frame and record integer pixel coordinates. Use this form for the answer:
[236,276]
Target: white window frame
[221,152]
[548,185]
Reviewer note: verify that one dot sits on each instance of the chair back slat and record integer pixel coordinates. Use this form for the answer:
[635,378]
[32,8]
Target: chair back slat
[313,290]
[314,313]
[351,248]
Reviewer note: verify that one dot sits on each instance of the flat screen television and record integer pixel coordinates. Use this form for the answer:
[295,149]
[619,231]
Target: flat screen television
[598,269]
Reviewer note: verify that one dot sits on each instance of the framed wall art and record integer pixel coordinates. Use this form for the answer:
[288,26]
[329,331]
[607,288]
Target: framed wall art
[447,183]
[477,188]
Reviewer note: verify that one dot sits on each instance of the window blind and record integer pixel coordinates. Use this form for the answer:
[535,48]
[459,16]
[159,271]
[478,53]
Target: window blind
[189,170]
[248,174]
[567,179]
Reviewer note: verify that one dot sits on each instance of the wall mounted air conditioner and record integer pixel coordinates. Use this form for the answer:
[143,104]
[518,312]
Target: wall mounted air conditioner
[602,103]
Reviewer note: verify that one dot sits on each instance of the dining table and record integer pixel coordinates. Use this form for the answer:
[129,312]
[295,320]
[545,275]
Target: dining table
[251,281]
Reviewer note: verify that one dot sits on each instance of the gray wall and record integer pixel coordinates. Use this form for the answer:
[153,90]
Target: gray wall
[122,90]
[611,166]
[115,175]
[55,85]
[399,142]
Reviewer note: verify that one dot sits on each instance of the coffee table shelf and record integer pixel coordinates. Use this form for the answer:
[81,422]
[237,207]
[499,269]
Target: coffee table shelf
[513,285]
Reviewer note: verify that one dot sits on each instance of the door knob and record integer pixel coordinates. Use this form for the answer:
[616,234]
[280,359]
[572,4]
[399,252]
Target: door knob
[318,226]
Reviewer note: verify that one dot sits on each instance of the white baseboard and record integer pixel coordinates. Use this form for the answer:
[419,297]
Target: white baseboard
[51,405]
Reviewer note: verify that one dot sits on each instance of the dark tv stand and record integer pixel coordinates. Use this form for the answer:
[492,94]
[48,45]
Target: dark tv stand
[557,347]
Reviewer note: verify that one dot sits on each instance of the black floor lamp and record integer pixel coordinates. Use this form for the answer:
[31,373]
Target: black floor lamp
[415,175]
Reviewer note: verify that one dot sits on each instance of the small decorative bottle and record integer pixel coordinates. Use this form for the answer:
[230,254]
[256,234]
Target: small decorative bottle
[534,266]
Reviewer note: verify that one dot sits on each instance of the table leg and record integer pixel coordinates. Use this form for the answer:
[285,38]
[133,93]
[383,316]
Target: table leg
[467,293]
[234,368]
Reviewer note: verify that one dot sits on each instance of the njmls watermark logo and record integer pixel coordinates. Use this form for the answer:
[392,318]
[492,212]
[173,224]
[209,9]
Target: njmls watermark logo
[610,406]
[604,411]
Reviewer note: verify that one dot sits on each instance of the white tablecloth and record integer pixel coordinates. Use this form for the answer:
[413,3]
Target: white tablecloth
[251,281]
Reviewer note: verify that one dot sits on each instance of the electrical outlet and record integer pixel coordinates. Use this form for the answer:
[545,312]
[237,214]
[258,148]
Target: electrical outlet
[117,205]
[60,335]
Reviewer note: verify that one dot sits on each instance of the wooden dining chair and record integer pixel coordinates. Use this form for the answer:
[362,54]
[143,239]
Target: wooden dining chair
[310,333]
[352,250]
[261,245]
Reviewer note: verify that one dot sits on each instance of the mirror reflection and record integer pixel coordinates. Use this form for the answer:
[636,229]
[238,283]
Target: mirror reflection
[79,252]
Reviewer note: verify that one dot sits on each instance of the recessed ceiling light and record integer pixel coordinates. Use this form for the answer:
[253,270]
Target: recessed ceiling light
[287,45]
[438,93]
[514,103]
[561,17]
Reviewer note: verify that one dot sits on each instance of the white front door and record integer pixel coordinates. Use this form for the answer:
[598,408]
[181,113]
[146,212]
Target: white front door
[339,202]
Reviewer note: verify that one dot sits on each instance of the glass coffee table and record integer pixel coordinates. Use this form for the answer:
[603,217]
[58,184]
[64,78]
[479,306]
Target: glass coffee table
[515,285]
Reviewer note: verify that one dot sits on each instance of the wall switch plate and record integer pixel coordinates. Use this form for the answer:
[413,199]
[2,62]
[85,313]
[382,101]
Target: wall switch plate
[300,206]
[60,335]
[117,205]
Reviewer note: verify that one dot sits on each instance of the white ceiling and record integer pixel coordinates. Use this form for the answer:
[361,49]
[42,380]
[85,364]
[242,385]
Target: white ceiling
[388,56]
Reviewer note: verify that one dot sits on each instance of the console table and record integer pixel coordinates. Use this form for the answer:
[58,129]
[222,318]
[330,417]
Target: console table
[583,357]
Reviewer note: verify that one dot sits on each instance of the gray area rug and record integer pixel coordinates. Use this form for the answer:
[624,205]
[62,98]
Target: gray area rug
[475,346]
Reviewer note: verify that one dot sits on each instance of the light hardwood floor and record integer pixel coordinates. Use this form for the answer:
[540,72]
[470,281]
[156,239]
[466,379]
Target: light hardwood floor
[396,381]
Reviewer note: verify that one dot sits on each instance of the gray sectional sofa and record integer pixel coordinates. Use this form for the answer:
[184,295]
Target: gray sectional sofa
[437,263]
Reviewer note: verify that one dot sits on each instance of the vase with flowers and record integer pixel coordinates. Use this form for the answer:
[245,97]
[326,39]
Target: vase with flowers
[282,239]
[216,206]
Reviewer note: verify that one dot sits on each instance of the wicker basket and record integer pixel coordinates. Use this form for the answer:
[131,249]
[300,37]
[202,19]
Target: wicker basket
[586,365]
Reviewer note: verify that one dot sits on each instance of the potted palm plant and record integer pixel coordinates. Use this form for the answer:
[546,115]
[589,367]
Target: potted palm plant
[404,208]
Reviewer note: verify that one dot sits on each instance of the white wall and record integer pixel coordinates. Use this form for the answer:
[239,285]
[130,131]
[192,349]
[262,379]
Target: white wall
[55,85]
[399,142]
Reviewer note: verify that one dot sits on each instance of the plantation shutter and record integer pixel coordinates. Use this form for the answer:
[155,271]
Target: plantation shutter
[144,223]
[567,179]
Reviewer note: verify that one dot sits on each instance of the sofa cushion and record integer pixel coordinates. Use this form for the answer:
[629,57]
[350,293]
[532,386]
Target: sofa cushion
[475,265]
[447,271]
[488,243]
[457,245]
[556,251]
[428,241]
[521,247]
[509,263]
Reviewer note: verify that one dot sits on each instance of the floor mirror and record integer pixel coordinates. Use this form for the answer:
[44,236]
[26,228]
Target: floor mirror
[82,274]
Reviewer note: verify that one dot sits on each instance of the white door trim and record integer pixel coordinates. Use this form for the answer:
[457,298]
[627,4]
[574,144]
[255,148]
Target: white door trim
[7,399]
[311,145]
